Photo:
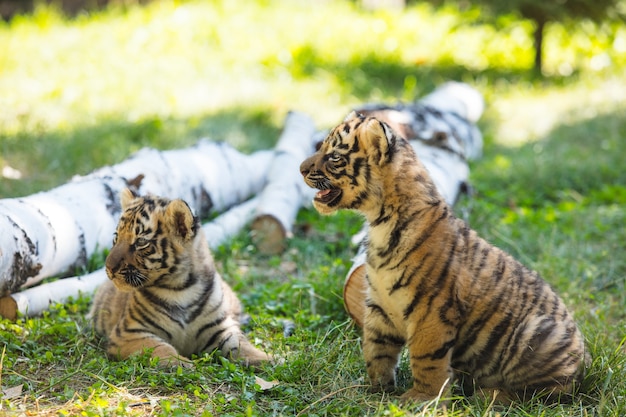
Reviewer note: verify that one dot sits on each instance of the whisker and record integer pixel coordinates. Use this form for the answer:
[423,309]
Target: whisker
[134,278]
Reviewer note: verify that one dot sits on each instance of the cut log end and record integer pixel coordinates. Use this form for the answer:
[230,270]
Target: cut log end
[268,235]
[8,308]
[354,292]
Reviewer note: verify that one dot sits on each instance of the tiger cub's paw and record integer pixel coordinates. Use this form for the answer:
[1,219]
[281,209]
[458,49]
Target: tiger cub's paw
[414,395]
[169,357]
[250,356]
[257,361]
[276,360]
[388,387]
[382,377]
[173,362]
[430,401]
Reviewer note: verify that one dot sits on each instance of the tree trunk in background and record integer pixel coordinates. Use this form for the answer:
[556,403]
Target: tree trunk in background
[56,232]
[538,44]
[441,129]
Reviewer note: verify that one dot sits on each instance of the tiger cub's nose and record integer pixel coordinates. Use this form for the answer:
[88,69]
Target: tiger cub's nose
[305,167]
[115,259]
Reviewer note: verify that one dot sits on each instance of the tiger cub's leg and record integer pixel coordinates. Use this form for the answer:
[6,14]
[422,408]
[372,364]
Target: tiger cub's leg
[382,344]
[430,353]
[233,342]
[237,347]
[125,344]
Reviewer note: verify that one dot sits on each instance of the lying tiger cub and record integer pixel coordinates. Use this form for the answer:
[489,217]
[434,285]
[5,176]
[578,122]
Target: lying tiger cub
[164,292]
[465,308]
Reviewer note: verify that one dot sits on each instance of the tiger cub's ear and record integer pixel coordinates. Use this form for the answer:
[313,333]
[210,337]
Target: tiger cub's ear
[379,136]
[126,197]
[350,116]
[182,220]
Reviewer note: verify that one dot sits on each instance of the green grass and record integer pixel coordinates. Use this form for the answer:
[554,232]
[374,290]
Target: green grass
[77,94]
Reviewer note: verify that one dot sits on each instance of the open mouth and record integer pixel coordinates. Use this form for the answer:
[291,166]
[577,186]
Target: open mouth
[328,196]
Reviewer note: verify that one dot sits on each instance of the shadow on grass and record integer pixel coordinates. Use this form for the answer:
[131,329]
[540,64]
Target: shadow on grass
[47,158]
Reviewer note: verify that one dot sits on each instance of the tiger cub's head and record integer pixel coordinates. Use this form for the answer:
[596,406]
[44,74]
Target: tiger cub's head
[348,165]
[153,238]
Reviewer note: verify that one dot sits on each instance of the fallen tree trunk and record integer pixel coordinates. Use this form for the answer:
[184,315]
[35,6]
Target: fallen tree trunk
[36,300]
[230,223]
[441,130]
[56,232]
[285,192]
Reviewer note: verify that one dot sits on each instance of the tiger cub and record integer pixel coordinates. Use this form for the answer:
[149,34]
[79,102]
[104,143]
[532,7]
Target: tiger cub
[464,308]
[164,292]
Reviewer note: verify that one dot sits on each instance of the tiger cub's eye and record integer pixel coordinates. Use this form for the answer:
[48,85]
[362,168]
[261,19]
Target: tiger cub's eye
[141,242]
[335,157]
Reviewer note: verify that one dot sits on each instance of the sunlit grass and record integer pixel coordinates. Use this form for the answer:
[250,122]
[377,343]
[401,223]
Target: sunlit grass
[186,59]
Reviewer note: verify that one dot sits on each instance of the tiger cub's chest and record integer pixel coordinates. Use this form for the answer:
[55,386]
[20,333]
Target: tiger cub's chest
[181,312]
[392,302]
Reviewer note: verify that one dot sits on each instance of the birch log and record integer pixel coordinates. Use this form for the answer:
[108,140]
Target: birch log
[56,232]
[35,300]
[441,129]
[281,199]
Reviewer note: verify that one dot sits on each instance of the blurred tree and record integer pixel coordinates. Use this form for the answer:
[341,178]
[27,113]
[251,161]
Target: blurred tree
[10,8]
[544,11]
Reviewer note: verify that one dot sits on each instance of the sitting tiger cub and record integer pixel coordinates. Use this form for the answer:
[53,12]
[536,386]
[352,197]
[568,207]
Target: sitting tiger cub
[164,292]
[465,309]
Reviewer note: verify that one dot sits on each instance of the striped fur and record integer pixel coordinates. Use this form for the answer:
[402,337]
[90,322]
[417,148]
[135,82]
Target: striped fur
[465,309]
[164,292]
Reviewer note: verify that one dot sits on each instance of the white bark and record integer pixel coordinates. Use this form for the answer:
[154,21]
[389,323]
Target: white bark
[440,128]
[56,232]
[459,98]
[35,300]
[231,222]
[281,199]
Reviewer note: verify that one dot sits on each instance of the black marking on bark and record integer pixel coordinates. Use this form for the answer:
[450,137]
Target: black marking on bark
[112,203]
[25,263]
[205,203]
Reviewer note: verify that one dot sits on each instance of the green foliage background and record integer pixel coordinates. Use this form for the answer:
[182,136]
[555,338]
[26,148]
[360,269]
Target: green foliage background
[79,93]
